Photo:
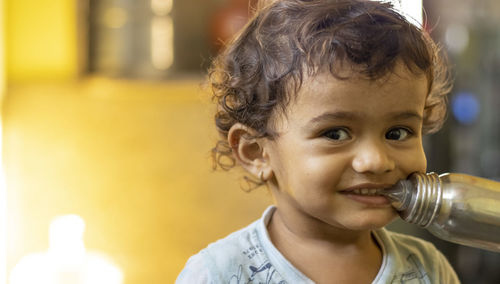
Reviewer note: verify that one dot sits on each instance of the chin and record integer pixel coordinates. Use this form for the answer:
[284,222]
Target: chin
[376,221]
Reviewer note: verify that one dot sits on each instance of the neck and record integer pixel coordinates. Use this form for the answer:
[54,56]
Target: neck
[326,256]
[316,232]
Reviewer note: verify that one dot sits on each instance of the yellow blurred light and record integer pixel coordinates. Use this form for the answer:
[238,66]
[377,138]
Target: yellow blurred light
[2,52]
[161,7]
[41,39]
[3,190]
[66,260]
[162,42]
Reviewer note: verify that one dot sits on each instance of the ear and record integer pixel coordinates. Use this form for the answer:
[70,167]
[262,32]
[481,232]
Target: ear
[249,150]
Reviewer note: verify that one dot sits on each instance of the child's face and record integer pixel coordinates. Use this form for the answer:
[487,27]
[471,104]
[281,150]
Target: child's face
[341,138]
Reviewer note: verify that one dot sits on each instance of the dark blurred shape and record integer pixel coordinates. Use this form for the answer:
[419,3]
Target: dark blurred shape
[150,39]
[228,20]
[120,38]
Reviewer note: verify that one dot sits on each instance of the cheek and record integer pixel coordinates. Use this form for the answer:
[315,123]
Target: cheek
[414,161]
[323,172]
[306,176]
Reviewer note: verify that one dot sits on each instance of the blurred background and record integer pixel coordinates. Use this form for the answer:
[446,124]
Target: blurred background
[107,131]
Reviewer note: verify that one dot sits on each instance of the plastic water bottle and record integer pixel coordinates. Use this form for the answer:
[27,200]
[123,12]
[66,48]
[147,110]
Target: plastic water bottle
[458,208]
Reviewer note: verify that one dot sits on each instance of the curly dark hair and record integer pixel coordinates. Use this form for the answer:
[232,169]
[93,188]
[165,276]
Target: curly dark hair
[262,69]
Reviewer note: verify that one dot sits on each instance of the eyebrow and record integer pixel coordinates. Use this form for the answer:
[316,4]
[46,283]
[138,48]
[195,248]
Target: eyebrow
[407,115]
[344,115]
[333,116]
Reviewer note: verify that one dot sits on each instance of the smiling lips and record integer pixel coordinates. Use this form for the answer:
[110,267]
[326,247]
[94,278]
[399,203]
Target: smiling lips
[366,189]
[367,193]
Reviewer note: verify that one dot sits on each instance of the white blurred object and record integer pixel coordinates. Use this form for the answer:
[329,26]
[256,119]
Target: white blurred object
[162,42]
[161,7]
[66,261]
[3,204]
[411,9]
[66,247]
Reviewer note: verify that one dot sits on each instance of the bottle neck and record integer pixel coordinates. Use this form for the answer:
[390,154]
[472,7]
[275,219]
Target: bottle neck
[417,199]
[400,194]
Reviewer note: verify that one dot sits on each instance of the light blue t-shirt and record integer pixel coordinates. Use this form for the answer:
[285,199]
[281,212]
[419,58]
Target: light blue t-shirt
[248,256]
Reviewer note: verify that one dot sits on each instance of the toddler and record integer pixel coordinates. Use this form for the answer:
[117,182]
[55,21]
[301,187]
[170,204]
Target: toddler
[325,103]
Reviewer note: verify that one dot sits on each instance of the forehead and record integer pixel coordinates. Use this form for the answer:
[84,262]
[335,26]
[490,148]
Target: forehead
[349,79]
[400,90]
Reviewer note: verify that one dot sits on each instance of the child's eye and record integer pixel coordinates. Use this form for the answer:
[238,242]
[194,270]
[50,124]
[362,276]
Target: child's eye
[398,134]
[338,134]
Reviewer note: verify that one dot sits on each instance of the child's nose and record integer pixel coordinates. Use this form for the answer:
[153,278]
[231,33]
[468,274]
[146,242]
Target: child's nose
[372,157]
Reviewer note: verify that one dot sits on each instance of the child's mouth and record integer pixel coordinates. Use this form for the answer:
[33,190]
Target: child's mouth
[366,191]
[369,196]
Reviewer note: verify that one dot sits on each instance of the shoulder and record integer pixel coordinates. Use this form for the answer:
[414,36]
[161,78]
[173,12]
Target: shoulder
[224,260]
[245,256]
[220,258]
[196,270]
[412,257]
